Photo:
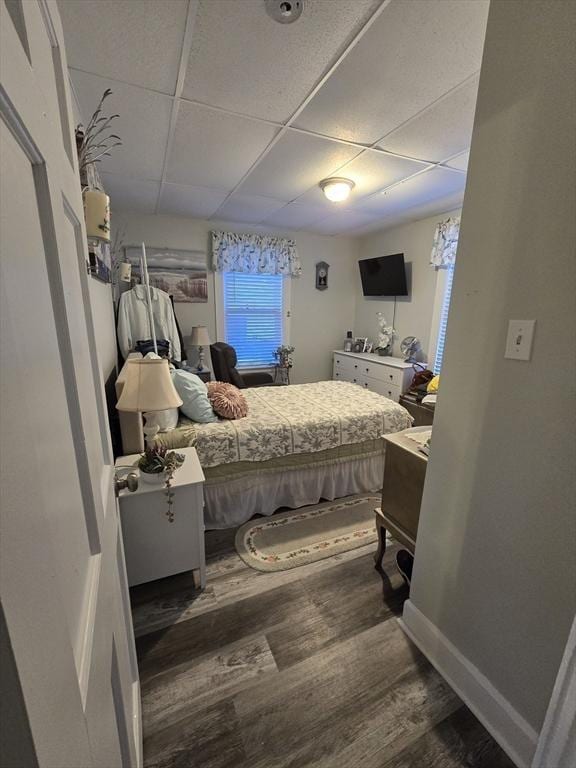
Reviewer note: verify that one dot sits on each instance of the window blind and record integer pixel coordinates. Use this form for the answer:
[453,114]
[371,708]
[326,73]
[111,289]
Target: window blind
[443,320]
[253,316]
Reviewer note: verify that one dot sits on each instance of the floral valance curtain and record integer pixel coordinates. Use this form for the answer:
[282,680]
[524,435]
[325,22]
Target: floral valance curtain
[255,254]
[445,243]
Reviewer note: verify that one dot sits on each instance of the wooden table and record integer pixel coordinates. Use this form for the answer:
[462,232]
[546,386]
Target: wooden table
[404,473]
[423,413]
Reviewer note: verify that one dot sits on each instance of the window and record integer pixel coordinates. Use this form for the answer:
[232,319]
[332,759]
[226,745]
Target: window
[443,319]
[252,316]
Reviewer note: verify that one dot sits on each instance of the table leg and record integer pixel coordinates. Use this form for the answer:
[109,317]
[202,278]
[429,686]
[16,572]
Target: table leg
[379,554]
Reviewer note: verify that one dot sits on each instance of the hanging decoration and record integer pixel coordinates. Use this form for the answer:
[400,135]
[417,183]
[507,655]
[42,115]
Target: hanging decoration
[93,142]
[445,243]
[97,214]
[255,254]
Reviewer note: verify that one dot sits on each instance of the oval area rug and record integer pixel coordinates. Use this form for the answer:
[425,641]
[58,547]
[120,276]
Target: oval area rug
[301,536]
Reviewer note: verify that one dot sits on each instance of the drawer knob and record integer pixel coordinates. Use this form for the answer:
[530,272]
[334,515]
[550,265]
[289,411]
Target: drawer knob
[355,365]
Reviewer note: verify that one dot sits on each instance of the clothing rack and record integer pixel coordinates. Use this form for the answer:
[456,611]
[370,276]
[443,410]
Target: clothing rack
[146,283]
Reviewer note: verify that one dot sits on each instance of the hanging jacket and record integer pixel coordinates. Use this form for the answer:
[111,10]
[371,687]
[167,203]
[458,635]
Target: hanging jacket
[133,323]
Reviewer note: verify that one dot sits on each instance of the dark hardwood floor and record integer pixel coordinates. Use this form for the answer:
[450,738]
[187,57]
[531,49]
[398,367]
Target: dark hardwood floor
[294,669]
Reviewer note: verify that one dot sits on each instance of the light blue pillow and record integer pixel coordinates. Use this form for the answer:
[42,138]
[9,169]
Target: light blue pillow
[194,394]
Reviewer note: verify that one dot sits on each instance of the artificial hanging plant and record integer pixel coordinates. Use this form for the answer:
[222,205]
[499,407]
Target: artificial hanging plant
[157,460]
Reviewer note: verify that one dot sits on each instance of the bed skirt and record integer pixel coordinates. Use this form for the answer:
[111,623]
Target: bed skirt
[231,502]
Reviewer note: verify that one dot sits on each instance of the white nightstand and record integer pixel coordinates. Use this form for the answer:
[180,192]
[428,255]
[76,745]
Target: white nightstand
[154,547]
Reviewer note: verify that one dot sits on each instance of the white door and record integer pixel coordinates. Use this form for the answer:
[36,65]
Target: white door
[68,647]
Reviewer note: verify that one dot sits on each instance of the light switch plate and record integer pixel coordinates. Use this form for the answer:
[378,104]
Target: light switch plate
[519,339]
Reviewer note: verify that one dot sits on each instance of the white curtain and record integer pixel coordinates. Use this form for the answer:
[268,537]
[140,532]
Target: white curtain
[445,243]
[255,254]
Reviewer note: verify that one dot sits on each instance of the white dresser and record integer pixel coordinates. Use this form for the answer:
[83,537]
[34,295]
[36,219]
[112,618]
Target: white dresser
[389,376]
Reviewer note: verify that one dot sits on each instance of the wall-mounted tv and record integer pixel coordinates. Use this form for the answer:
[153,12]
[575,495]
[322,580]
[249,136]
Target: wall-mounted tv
[384,276]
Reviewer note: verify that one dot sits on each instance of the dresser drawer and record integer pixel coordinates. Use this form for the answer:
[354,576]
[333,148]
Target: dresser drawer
[385,373]
[341,374]
[388,390]
[345,363]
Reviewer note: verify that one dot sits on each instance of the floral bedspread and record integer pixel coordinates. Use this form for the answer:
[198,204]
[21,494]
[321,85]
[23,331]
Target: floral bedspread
[301,418]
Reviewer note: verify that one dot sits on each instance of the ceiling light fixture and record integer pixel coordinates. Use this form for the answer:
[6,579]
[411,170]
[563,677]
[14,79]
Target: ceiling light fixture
[336,189]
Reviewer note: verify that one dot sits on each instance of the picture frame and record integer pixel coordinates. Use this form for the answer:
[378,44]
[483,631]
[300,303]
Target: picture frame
[368,347]
[358,346]
[181,273]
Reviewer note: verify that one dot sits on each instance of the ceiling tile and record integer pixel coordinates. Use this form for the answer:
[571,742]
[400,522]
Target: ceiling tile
[211,149]
[198,202]
[137,41]
[341,222]
[372,171]
[414,53]
[441,130]
[296,163]
[460,161]
[143,124]
[438,206]
[130,194]
[249,209]
[296,216]
[425,188]
[243,60]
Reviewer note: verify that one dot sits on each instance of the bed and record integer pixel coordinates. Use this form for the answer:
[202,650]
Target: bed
[298,444]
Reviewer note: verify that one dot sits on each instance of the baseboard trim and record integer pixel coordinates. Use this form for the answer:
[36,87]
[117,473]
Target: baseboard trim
[516,737]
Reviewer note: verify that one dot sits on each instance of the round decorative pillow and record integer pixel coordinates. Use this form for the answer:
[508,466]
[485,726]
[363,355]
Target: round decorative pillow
[227,400]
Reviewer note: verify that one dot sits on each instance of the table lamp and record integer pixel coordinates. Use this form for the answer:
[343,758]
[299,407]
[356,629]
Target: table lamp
[148,387]
[200,339]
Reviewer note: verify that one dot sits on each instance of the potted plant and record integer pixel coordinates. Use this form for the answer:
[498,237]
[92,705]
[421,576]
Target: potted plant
[283,357]
[157,465]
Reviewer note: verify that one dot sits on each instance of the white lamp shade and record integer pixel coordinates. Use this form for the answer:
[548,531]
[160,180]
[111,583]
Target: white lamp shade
[148,387]
[199,337]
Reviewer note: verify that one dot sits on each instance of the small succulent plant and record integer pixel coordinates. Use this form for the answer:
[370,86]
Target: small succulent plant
[155,460]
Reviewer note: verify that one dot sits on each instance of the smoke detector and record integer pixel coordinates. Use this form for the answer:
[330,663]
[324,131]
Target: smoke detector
[284,11]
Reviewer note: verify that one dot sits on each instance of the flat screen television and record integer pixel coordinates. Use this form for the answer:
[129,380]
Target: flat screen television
[384,276]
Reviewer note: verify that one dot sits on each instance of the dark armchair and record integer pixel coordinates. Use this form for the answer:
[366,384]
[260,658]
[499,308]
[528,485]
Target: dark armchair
[224,361]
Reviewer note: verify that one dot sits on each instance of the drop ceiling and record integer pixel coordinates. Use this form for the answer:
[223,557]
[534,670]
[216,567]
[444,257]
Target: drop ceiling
[227,115]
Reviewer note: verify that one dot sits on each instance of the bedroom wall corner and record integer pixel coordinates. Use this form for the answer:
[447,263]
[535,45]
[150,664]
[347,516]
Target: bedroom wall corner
[413,312]
[495,564]
[319,319]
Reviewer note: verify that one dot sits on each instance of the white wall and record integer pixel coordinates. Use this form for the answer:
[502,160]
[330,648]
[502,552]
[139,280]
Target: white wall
[495,568]
[102,306]
[319,320]
[413,312]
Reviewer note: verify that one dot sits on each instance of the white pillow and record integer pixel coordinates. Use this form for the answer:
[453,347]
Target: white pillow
[164,420]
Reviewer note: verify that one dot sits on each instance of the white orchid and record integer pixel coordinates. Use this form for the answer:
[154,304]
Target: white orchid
[386,332]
